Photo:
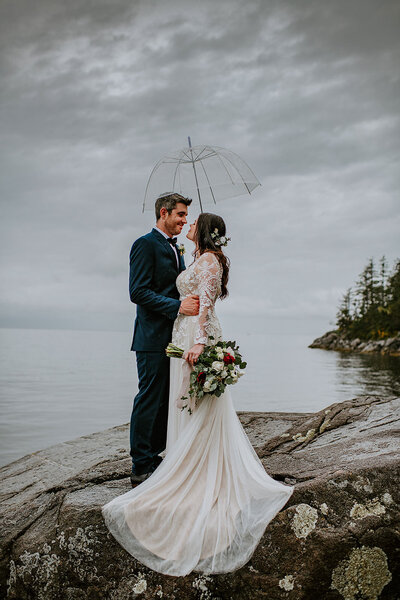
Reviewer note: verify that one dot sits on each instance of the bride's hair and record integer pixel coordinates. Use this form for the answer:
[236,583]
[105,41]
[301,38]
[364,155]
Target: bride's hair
[205,226]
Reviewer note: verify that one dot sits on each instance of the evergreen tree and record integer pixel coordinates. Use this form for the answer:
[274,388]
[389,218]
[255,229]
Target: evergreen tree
[373,310]
[383,282]
[343,316]
[393,294]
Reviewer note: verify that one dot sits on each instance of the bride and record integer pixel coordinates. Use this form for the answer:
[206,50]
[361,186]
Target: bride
[207,505]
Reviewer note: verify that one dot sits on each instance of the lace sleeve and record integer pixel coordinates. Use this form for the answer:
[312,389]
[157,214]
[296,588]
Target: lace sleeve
[208,271]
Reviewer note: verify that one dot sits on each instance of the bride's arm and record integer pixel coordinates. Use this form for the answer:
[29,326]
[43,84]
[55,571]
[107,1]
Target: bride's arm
[209,277]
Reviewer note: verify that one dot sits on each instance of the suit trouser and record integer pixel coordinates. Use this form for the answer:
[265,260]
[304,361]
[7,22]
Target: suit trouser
[148,433]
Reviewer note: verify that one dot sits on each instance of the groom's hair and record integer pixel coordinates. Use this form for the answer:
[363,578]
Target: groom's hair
[169,201]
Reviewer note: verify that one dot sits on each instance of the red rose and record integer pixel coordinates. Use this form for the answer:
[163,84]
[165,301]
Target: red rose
[229,359]
[201,377]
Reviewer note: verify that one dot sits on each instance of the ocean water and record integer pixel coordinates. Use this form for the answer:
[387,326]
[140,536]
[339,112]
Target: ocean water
[56,385]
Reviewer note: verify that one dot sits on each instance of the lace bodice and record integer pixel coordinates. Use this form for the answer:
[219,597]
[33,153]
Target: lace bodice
[202,278]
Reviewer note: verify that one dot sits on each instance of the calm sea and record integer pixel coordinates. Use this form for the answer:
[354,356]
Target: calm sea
[57,385]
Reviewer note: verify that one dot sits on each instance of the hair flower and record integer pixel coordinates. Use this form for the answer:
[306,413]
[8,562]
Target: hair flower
[219,240]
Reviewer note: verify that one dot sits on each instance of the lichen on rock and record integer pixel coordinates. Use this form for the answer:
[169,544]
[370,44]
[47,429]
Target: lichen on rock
[287,583]
[371,508]
[36,568]
[12,578]
[324,508]
[387,499]
[200,583]
[304,437]
[364,574]
[324,425]
[81,551]
[140,585]
[363,484]
[304,520]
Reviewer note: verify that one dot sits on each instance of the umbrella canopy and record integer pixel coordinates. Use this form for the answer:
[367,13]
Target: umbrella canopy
[208,173]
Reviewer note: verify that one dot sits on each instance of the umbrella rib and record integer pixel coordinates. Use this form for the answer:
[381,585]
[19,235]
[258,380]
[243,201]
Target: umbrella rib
[148,182]
[247,187]
[205,149]
[180,181]
[209,184]
[208,149]
[222,163]
[238,170]
[197,159]
[173,184]
[187,156]
[201,158]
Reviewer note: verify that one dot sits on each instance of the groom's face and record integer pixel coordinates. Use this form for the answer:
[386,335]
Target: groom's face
[175,221]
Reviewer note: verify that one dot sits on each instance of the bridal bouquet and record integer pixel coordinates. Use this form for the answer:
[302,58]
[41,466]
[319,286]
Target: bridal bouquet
[218,365]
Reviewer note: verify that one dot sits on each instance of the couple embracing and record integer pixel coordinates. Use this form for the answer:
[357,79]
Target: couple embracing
[205,506]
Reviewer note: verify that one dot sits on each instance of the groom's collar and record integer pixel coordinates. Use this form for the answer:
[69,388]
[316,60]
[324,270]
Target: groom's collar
[162,232]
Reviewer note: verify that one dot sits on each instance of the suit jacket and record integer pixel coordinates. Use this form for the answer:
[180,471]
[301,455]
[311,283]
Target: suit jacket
[152,287]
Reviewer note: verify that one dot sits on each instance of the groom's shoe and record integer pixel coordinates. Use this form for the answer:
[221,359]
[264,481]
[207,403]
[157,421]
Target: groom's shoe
[137,479]
[157,460]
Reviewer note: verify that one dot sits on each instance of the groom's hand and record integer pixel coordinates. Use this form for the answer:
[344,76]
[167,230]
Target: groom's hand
[190,306]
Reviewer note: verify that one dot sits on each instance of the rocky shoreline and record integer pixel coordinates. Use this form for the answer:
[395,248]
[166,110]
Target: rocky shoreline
[332,340]
[337,537]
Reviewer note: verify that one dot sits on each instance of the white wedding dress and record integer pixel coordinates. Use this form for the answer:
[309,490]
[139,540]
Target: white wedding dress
[207,505]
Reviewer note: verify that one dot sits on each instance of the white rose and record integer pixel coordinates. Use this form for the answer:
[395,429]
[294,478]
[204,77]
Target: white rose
[224,373]
[230,351]
[206,386]
[220,353]
[217,366]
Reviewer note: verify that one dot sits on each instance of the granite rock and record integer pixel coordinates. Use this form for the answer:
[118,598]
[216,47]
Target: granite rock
[337,537]
[333,340]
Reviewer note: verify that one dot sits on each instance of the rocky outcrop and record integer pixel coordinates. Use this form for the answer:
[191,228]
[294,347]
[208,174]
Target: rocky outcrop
[333,340]
[337,538]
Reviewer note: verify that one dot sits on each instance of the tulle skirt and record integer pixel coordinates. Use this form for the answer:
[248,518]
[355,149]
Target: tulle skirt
[207,505]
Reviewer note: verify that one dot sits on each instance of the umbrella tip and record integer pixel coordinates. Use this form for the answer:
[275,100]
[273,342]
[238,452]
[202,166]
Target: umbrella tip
[190,143]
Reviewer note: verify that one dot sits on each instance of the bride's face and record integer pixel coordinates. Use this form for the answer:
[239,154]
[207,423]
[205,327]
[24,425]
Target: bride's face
[192,230]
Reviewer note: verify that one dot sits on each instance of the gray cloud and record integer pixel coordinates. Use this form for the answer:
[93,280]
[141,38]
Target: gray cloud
[93,94]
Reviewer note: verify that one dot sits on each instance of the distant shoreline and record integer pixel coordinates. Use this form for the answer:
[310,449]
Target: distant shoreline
[333,340]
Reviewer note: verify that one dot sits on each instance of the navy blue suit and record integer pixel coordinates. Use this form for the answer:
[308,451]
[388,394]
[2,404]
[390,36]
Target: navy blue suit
[152,287]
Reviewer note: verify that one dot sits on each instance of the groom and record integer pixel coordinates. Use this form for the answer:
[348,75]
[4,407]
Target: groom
[155,262]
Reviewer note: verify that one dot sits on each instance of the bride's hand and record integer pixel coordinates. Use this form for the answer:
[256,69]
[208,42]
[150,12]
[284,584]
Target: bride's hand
[193,354]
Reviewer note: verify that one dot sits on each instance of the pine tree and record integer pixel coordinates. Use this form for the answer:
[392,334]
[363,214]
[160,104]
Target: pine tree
[393,294]
[343,316]
[373,310]
[383,282]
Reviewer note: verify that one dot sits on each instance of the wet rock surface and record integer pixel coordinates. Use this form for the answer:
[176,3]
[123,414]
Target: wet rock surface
[332,340]
[337,537]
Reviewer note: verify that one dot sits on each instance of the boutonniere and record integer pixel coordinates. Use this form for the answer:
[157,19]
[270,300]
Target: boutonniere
[181,249]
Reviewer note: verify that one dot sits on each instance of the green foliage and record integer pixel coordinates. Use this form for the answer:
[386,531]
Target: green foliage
[372,310]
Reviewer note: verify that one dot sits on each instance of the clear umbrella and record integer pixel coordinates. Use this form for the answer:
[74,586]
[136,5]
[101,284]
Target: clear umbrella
[209,173]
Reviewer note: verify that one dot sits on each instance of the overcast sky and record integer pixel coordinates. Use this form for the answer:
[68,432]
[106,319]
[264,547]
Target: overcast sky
[94,93]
